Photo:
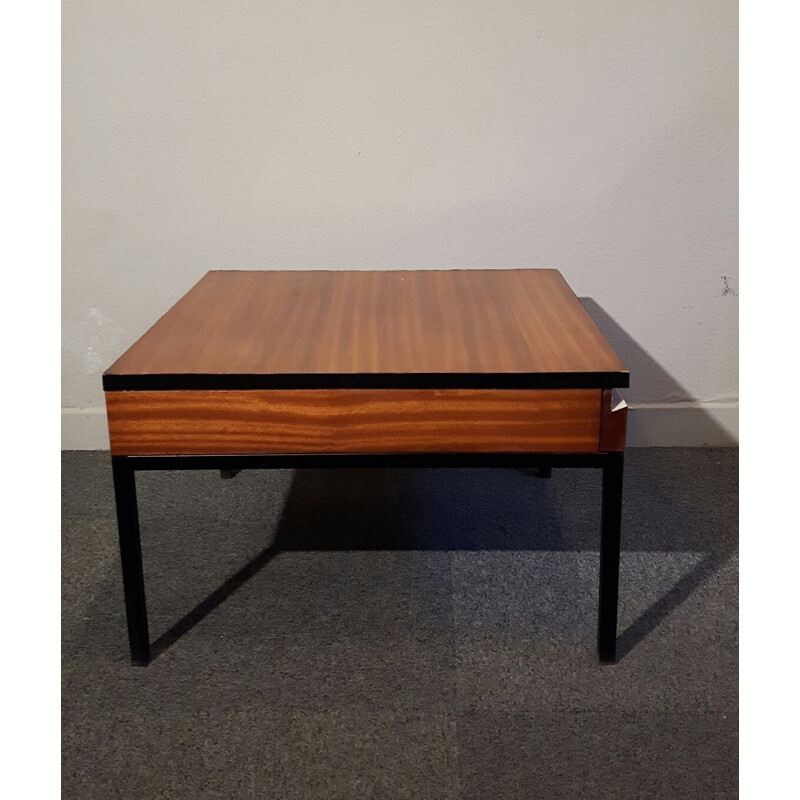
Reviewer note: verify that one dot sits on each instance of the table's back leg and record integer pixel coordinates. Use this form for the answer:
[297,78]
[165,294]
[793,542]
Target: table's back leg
[131,557]
[609,558]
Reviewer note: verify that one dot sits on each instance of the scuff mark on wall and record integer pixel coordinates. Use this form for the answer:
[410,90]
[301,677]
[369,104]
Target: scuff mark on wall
[95,341]
[728,289]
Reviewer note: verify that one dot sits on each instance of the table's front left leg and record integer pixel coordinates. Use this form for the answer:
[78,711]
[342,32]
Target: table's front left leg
[131,556]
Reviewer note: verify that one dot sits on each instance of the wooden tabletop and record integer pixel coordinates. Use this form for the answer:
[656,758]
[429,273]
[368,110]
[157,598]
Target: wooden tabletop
[383,329]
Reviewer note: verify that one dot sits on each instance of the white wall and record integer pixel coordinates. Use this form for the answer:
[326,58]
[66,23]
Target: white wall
[599,138]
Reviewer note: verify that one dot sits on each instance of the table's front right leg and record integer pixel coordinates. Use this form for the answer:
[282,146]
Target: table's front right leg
[609,558]
[131,556]
[613,427]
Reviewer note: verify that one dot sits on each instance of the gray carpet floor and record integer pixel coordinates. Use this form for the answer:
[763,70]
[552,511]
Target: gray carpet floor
[403,634]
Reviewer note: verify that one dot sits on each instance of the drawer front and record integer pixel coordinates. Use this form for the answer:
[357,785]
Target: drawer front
[277,421]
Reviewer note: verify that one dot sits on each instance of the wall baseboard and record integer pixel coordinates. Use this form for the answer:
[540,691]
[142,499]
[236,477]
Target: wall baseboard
[684,425]
[84,429]
[668,425]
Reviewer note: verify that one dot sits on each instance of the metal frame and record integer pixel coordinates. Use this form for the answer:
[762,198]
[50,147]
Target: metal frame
[125,467]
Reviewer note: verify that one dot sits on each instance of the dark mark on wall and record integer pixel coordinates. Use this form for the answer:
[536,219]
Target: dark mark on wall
[727,289]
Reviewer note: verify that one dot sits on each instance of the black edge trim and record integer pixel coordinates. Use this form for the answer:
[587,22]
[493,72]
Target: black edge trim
[370,461]
[503,380]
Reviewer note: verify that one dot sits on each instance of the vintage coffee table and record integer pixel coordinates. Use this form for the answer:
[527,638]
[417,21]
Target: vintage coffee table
[450,368]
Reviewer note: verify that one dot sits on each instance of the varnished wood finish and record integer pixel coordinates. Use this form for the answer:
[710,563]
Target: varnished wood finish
[353,421]
[416,329]
[613,421]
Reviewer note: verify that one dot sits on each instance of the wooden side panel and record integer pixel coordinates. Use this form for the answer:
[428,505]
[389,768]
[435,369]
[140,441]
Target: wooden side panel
[614,421]
[220,422]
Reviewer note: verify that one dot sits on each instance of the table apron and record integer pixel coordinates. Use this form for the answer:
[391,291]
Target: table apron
[277,421]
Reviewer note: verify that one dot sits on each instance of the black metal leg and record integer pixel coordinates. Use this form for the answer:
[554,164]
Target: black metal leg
[131,555]
[609,558]
[130,546]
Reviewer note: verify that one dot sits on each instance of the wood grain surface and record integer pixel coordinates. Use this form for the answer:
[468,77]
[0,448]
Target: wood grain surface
[220,422]
[352,323]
